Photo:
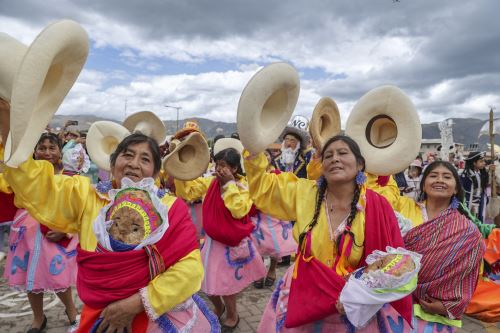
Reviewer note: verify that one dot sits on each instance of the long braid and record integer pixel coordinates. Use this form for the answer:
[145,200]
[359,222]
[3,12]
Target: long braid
[352,215]
[320,195]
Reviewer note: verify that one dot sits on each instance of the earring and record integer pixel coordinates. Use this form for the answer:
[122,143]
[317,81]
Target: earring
[454,202]
[360,178]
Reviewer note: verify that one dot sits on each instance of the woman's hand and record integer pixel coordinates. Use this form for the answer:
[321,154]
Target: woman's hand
[340,307]
[433,306]
[55,236]
[225,175]
[118,316]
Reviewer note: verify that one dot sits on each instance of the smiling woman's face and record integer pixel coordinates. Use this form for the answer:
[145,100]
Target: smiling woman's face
[440,184]
[135,162]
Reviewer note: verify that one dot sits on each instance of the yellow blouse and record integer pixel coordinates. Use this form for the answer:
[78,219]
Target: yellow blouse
[290,198]
[70,204]
[314,168]
[234,193]
[4,186]
[406,206]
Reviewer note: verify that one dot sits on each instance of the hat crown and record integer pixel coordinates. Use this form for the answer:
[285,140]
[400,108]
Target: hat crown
[13,52]
[299,122]
[188,159]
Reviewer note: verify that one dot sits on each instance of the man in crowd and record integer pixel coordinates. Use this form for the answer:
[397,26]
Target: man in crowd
[295,153]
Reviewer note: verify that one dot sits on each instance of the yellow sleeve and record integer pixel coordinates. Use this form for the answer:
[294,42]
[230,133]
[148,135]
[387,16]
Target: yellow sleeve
[314,168]
[273,194]
[404,205]
[173,286]
[4,186]
[237,198]
[56,201]
[192,190]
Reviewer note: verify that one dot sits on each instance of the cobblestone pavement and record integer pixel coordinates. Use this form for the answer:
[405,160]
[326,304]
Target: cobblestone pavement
[15,312]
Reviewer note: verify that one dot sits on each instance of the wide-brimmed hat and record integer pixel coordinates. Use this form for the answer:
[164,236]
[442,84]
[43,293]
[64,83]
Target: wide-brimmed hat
[147,123]
[226,143]
[36,79]
[386,126]
[102,139]
[266,104]
[298,127]
[474,156]
[325,122]
[188,158]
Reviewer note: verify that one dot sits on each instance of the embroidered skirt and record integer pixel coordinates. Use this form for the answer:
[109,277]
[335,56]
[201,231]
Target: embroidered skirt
[34,263]
[272,237]
[229,270]
[387,320]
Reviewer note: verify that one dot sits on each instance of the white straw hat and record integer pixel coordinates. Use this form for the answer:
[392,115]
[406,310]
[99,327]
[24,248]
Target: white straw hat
[266,104]
[386,126]
[36,79]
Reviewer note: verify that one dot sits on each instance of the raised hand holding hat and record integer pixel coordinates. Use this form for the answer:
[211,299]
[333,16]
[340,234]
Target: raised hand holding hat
[36,79]
[266,104]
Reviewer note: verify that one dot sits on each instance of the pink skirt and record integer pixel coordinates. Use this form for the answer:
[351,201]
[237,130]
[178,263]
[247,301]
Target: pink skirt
[272,237]
[229,270]
[35,264]
[195,209]
[190,316]
[386,320]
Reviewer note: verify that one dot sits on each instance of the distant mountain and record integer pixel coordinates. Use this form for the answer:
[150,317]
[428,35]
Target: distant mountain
[209,127]
[465,130]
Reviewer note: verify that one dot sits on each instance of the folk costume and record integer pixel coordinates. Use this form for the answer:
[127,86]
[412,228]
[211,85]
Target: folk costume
[166,278]
[452,249]
[290,198]
[35,264]
[229,255]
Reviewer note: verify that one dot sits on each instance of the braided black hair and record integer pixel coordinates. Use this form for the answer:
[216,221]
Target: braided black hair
[322,185]
[320,195]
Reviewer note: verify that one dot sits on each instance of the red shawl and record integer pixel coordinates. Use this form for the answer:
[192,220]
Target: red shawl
[452,250]
[7,207]
[106,277]
[381,230]
[218,222]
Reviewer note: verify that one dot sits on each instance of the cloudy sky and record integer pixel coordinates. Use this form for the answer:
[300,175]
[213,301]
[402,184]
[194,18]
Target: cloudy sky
[199,55]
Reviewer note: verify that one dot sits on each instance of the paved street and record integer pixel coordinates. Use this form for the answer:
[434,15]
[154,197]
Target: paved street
[15,313]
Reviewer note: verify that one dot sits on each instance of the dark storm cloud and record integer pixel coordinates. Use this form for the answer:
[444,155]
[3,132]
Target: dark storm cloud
[453,43]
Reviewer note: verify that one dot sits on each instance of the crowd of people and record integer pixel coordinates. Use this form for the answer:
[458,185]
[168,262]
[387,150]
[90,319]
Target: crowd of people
[243,209]
[151,229]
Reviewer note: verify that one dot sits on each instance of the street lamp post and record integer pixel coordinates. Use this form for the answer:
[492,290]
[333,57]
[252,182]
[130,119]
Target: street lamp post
[177,108]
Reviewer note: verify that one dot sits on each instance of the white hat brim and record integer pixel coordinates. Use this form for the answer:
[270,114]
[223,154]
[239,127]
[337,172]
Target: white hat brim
[189,159]
[325,121]
[148,124]
[388,102]
[102,139]
[47,72]
[266,105]
[225,143]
